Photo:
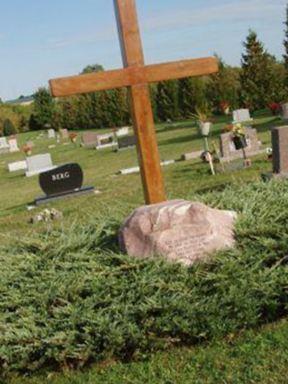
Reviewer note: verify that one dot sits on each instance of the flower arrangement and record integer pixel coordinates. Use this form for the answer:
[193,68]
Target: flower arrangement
[275,108]
[225,107]
[238,135]
[73,137]
[27,149]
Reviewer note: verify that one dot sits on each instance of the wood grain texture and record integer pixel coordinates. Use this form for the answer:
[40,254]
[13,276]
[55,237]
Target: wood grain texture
[143,123]
[92,82]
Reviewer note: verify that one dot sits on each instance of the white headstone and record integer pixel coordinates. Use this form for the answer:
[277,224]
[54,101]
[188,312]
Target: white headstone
[38,164]
[51,134]
[17,166]
[4,146]
[105,141]
[241,116]
[124,131]
[13,145]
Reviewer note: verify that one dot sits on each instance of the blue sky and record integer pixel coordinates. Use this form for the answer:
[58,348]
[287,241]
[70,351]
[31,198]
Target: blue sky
[40,39]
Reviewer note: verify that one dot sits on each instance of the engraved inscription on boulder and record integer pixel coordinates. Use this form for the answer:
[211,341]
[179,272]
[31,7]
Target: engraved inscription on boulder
[181,231]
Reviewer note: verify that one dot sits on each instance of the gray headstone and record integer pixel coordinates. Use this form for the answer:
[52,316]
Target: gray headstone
[89,139]
[241,116]
[280,150]
[229,151]
[51,134]
[38,164]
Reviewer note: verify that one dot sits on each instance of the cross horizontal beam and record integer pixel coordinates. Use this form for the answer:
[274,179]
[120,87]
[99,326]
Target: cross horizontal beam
[92,82]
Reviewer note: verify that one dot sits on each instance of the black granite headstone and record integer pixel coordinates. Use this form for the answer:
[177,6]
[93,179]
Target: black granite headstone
[67,178]
[63,181]
[126,142]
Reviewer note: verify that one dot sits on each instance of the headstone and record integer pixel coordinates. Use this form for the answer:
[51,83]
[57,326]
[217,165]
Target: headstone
[62,182]
[191,155]
[4,146]
[124,131]
[64,133]
[51,134]
[280,150]
[106,140]
[17,166]
[241,116]
[12,142]
[179,230]
[129,171]
[89,139]
[126,142]
[285,111]
[229,151]
[38,164]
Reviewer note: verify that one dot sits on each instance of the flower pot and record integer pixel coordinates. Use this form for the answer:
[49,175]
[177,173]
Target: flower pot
[240,142]
[205,128]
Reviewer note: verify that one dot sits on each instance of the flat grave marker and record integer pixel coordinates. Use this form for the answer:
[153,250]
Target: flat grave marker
[17,166]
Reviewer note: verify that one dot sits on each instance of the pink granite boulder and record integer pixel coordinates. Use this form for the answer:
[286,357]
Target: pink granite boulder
[181,231]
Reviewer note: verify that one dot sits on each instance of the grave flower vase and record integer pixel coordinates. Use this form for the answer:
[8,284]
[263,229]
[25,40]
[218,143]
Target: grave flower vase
[240,142]
[205,128]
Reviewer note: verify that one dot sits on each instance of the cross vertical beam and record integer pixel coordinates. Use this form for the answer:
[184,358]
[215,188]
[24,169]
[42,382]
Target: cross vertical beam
[142,115]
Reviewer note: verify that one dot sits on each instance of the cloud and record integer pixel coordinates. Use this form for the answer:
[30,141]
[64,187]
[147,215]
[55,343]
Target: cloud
[189,16]
[242,10]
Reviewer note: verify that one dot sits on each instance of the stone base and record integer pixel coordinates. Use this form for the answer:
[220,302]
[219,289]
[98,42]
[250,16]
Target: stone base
[273,176]
[179,230]
[48,199]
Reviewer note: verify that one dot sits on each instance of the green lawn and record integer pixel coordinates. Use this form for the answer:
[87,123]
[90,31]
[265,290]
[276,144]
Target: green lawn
[70,299]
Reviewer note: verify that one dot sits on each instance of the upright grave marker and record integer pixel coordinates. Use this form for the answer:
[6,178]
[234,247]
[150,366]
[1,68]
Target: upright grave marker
[280,151]
[137,76]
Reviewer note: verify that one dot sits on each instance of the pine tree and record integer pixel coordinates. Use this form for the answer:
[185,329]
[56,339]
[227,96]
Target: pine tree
[43,108]
[167,100]
[8,128]
[257,77]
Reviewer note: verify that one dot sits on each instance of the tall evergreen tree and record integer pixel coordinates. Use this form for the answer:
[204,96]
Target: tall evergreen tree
[43,108]
[257,77]
[167,100]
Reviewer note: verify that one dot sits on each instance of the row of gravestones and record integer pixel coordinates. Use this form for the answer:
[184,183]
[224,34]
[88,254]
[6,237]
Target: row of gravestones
[120,139]
[8,145]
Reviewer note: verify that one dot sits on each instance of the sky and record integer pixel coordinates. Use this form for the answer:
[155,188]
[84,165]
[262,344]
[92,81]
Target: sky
[40,40]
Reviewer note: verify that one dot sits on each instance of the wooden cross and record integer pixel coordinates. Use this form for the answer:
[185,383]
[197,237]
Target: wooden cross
[137,77]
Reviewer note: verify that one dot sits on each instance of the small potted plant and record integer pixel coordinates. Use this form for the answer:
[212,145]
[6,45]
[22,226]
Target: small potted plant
[73,137]
[27,149]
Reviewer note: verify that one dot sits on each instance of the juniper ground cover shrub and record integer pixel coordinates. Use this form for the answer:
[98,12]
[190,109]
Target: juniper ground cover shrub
[69,298]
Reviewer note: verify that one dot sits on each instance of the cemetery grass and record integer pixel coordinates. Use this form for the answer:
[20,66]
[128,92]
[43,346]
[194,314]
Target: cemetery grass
[70,299]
